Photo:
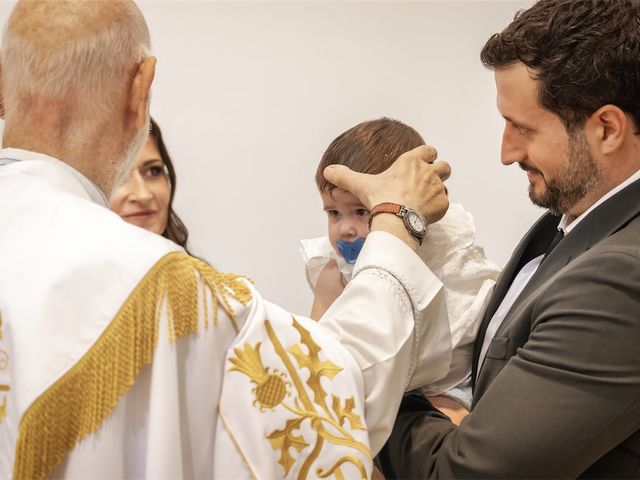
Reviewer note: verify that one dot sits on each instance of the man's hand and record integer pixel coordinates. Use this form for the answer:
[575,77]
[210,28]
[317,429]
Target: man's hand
[328,287]
[414,180]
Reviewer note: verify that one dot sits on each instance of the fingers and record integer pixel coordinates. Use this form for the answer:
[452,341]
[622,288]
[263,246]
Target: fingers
[442,169]
[426,152]
[345,178]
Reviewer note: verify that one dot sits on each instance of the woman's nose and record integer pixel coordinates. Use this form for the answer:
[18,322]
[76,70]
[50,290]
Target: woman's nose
[140,190]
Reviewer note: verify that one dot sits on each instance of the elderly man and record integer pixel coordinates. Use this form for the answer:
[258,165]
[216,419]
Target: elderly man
[120,355]
[556,368]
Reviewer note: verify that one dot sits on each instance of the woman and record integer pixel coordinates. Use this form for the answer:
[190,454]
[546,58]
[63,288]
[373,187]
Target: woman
[146,198]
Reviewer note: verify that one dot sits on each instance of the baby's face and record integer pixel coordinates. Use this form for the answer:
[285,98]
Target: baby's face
[347,218]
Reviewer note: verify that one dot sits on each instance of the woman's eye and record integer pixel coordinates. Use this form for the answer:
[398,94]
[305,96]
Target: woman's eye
[154,171]
[362,212]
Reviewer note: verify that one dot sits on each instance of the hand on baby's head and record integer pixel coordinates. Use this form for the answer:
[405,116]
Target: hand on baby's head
[413,180]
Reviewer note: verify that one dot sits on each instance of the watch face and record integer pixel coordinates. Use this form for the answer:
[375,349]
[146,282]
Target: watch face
[415,221]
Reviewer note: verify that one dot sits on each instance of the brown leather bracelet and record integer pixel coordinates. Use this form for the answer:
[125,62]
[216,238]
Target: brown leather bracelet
[413,221]
[386,207]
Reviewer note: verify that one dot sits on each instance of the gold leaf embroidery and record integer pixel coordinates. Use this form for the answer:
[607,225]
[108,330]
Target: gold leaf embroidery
[311,361]
[336,470]
[327,424]
[284,439]
[347,413]
[3,409]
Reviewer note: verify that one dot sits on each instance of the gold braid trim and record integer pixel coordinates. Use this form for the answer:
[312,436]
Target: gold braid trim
[76,404]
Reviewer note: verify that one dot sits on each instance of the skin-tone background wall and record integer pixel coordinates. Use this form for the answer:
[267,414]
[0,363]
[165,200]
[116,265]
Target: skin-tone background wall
[249,94]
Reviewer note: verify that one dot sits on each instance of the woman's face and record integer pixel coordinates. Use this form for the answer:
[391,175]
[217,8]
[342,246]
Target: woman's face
[143,199]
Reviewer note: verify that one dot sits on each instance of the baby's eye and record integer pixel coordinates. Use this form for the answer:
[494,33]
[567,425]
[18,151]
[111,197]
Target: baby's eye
[333,213]
[362,212]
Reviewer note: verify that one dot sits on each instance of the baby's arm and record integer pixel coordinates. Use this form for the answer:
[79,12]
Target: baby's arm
[329,286]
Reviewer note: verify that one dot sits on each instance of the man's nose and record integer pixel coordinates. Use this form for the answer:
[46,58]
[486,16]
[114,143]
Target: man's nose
[513,150]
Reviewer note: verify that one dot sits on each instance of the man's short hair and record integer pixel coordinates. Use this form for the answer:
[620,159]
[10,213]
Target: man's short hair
[585,53]
[369,147]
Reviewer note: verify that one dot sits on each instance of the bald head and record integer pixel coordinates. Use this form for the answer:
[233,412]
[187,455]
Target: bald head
[71,48]
[71,75]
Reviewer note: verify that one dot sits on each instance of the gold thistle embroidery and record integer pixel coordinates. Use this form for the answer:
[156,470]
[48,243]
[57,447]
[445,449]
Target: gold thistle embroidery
[328,424]
[271,388]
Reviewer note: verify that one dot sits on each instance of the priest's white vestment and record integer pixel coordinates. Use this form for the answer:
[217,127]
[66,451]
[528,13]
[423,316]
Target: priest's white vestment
[123,357]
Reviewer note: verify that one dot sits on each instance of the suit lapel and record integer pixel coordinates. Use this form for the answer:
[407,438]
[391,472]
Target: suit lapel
[602,222]
[533,244]
[599,224]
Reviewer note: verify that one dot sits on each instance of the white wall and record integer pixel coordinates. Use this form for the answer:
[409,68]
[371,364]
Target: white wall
[249,94]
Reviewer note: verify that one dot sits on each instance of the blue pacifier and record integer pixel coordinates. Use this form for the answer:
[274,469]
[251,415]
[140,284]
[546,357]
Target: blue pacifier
[350,250]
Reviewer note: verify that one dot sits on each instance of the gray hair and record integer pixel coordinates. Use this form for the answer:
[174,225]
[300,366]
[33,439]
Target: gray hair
[81,53]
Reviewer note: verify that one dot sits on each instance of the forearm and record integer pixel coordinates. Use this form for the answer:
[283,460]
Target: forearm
[564,400]
[375,319]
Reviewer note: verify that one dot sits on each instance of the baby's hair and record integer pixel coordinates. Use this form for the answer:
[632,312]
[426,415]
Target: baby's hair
[369,147]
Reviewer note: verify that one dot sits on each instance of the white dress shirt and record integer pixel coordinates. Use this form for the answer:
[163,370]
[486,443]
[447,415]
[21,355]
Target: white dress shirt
[527,271]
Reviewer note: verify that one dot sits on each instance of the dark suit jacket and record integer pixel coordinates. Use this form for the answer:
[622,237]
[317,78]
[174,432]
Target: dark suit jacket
[558,395]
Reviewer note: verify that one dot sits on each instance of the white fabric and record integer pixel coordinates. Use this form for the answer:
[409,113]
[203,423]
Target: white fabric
[452,256]
[69,264]
[87,187]
[316,252]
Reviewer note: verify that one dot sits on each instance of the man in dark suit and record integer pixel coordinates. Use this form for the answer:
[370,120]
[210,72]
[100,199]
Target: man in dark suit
[556,370]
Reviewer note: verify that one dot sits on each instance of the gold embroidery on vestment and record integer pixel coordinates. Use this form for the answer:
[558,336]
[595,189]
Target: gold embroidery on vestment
[3,409]
[4,363]
[76,404]
[328,423]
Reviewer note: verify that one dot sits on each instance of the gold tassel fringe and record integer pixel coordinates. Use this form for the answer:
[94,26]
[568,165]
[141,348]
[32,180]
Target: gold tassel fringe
[81,399]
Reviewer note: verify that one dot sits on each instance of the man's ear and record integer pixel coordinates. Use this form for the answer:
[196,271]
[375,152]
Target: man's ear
[607,128]
[139,95]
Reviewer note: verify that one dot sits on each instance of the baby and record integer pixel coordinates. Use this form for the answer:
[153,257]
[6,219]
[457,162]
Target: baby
[449,248]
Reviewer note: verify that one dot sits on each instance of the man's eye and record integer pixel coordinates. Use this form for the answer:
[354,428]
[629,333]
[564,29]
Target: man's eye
[520,129]
[362,212]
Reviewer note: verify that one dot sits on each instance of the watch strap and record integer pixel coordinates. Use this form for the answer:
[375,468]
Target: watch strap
[386,207]
[401,211]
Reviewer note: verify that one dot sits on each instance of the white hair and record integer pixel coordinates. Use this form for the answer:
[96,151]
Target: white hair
[80,53]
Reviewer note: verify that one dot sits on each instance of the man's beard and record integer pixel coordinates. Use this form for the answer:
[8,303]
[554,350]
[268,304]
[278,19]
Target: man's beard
[130,156]
[572,184]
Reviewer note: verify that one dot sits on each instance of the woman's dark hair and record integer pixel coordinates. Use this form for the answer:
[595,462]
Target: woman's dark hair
[175,231]
[584,53]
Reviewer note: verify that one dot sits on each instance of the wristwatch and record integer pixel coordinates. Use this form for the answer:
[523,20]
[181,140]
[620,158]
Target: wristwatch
[414,222]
